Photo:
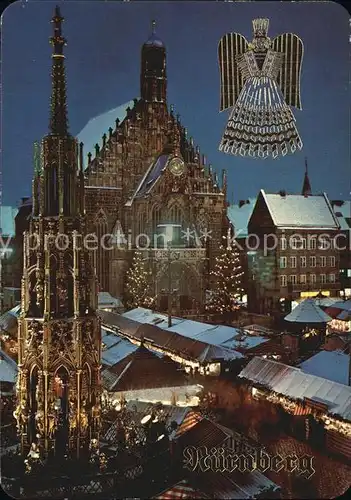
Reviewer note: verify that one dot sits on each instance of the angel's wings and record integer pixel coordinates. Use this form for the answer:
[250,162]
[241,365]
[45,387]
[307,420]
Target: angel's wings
[230,47]
[289,76]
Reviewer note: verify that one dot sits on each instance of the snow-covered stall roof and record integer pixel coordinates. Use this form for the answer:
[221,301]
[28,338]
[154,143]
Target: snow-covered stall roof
[171,412]
[8,368]
[219,335]
[332,365]
[344,305]
[298,211]
[307,312]
[296,384]
[105,299]
[149,328]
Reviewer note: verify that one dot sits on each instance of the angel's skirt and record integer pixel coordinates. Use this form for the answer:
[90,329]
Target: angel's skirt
[261,124]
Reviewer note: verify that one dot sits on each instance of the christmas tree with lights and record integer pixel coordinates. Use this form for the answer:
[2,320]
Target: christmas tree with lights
[227,279]
[139,283]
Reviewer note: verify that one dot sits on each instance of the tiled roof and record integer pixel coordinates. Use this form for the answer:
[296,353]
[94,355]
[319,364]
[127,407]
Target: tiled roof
[98,126]
[295,384]
[298,211]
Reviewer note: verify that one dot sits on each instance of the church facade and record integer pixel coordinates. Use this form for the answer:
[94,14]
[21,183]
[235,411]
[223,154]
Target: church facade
[149,187]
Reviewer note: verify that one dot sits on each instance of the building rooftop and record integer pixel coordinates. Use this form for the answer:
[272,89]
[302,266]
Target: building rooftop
[7,220]
[296,384]
[307,311]
[224,337]
[332,365]
[239,216]
[8,368]
[142,369]
[298,211]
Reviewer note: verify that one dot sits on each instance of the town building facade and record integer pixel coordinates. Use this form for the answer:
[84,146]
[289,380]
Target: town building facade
[297,252]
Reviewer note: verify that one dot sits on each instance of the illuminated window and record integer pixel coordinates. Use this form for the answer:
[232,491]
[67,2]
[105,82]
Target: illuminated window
[303,279]
[283,262]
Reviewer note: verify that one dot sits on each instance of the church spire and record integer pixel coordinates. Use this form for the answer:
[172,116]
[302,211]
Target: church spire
[306,188]
[153,78]
[58,116]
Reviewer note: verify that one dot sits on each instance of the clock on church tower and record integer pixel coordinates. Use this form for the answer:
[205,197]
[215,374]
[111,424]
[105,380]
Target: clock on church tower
[176,166]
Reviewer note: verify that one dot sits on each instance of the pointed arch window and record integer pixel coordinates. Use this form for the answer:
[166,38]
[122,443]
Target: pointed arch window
[156,217]
[175,214]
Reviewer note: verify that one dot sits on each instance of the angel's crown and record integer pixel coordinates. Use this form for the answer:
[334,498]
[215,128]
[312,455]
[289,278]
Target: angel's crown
[260,27]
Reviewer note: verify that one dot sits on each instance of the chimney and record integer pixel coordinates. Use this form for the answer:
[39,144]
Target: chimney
[282,193]
[241,203]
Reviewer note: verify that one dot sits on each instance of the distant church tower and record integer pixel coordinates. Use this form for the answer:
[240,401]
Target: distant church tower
[59,335]
[306,188]
[153,78]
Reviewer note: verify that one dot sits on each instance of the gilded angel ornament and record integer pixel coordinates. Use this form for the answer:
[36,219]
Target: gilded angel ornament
[259,82]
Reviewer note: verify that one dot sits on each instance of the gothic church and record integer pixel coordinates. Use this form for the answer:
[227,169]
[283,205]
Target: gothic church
[148,178]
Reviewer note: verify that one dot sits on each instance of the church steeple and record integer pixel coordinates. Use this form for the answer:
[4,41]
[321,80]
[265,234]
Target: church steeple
[58,115]
[61,195]
[306,188]
[153,78]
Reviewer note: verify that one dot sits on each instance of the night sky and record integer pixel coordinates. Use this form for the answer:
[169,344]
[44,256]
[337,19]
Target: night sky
[102,64]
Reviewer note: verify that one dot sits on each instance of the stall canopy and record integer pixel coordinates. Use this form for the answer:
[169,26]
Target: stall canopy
[8,368]
[332,365]
[293,383]
[307,312]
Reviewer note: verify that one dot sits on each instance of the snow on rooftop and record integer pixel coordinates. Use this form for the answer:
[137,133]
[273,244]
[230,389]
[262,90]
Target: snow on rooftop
[105,299]
[8,368]
[307,311]
[98,126]
[225,337]
[7,220]
[248,342]
[296,384]
[240,216]
[332,365]
[299,211]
